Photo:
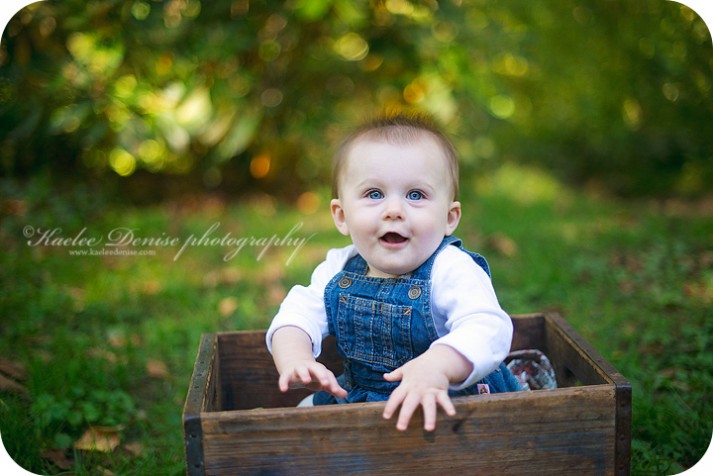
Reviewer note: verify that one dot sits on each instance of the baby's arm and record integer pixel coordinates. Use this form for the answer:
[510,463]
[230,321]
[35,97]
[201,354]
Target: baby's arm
[425,381]
[292,353]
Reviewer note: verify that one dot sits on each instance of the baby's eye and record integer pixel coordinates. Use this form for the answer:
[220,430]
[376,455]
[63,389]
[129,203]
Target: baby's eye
[414,195]
[375,194]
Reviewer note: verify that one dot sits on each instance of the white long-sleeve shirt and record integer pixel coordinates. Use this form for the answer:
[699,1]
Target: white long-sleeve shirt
[465,309]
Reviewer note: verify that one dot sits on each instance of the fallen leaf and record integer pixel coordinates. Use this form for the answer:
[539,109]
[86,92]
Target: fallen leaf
[99,438]
[227,306]
[669,372]
[12,369]
[151,287]
[7,385]
[78,298]
[157,369]
[626,287]
[101,353]
[14,207]
[228,276]
[272,271]
[116,339]
[44,356]
[503,244]
[135,448]
[58,458]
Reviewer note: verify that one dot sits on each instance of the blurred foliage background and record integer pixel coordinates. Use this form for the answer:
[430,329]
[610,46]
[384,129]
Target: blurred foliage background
[158,96]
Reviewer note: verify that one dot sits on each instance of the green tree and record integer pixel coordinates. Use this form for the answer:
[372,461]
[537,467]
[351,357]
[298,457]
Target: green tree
[615,93]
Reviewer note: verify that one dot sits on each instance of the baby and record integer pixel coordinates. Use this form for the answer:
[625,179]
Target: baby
[414,314]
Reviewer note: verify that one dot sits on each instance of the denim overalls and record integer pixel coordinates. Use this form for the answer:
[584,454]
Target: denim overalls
[382,323]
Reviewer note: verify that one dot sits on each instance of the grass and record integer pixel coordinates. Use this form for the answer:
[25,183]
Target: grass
[109,341]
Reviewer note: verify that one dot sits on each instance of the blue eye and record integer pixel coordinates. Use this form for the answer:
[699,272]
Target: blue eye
[375,195]
[415,195]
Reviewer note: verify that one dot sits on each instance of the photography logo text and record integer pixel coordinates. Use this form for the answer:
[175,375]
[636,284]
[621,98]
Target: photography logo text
[124,241]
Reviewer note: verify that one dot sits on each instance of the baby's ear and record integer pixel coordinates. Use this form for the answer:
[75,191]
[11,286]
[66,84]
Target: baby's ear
[453,218]
[338,216]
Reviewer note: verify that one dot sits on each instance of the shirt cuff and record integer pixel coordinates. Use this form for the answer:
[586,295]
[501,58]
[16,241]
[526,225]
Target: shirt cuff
[484,361]
[315,335]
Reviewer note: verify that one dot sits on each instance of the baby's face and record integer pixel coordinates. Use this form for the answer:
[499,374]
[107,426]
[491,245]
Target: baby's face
[395,202]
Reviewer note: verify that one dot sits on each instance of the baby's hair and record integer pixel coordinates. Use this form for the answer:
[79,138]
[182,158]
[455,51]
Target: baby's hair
[396,128]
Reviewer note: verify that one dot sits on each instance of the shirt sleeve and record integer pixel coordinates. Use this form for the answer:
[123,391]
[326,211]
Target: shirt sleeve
[467,314]
[303,307]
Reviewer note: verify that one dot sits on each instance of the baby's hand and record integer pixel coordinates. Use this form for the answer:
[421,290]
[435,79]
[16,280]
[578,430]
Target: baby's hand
[425,381]
[292,352]
[418,387]
[310,374]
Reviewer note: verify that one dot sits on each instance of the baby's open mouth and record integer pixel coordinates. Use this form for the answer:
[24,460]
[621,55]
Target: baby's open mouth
[394,238]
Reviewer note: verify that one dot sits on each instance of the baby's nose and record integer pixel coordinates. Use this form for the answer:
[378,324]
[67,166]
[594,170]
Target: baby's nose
[393,209]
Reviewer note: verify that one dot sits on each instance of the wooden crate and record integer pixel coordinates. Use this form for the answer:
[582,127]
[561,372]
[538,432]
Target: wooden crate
[236,421]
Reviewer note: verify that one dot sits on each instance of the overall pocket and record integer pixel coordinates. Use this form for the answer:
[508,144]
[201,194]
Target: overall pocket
[373,332]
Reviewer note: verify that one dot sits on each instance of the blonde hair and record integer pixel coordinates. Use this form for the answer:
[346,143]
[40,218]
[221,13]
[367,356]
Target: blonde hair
[397,128]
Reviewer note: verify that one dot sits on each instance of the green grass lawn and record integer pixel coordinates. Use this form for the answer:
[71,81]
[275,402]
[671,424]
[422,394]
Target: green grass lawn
[109,341]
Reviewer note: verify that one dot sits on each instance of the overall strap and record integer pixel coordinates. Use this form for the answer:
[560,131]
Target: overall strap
[356,264]
[424,271]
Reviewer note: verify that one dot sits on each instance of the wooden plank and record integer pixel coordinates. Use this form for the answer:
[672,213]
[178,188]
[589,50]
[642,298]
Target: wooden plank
[528,332]
[575,361]
[213,395]
[561,431]
[623,428]
[246,363]
[194,406]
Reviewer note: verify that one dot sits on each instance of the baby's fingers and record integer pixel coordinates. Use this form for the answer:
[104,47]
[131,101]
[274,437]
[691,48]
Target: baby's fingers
[394,376]
[408,407]
[304,375]
[393,403]
[430,408]
[445,402]
[408,402]
[289,380]
[330,384]
[428,403]
[284,382]
[294,378]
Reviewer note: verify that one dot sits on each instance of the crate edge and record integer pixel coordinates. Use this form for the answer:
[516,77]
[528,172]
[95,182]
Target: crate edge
[194,405]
